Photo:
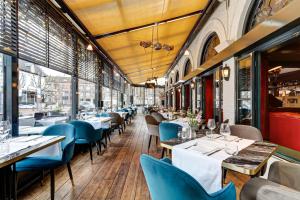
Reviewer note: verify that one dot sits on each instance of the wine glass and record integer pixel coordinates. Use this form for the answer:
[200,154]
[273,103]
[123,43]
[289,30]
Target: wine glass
[225,130]
[211,124]
[179,133]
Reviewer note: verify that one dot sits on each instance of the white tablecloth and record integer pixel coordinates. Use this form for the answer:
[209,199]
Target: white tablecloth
[100,122]
[20,143]
[29,130]
[207,170]
[52,120]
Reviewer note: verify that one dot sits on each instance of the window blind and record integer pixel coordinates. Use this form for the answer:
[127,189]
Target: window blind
[8,36]
[106,74]
[32,31]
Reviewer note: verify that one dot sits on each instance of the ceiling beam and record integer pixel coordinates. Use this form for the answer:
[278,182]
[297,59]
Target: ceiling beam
[67,10]
[147,25]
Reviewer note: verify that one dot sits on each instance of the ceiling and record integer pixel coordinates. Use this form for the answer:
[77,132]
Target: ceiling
[120,25]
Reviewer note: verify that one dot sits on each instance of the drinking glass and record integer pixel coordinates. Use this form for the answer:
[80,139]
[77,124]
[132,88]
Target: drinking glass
[208,134]
[211,124]
[179,134]
[231,148]
[225,130]
[184,133]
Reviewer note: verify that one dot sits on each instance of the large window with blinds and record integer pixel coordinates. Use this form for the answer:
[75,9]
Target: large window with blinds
[44,95]
[106,98]
[87,95]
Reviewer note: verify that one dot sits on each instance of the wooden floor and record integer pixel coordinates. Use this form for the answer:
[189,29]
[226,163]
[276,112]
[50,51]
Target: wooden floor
[115,174]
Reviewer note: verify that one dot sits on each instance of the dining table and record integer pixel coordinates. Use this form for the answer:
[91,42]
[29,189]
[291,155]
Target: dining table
[52,120]
[31,130]
[207,158]
[18,148]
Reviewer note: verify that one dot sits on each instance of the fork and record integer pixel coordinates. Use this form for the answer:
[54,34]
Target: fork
[195,144]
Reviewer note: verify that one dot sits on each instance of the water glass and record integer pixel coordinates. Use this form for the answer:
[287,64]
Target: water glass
[231,148]
[225,130]
[179,133]
[184,133]
[211,124]
[208,134]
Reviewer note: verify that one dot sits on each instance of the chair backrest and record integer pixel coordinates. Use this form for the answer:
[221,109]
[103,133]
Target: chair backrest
[246,132]
[158,116]
[151,120]
[68,143]
[116,118]
[152,125]
[168,130]
[85,130]
[166,182]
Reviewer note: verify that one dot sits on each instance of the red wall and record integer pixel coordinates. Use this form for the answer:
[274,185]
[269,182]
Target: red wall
[209,98]
[285,129]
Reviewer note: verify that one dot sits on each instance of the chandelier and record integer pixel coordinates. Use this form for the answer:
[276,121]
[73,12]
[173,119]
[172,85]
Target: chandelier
[156,45]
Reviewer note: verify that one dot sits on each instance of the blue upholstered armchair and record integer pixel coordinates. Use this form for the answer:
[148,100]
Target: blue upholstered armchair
[166,182]
[45,163]
[86,134]
[167,131]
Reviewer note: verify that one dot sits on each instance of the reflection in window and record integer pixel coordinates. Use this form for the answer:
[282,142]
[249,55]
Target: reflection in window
[43,92]
[138,97]
[114,99]
[87,94]
[1,85]
[284,87]
[106,98]
[149,96]
[244,91]
[218,102]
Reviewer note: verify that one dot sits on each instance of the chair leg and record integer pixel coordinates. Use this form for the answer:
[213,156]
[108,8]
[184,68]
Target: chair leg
[97,146]
[224,174]
[52,187]
[149,142]
[15,182]
[156,140]
[91,153]
[70,172]
[162,153]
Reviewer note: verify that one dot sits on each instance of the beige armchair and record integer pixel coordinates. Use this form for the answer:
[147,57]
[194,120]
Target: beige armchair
[158,116]
[283,183]
[246,132]
[152,125]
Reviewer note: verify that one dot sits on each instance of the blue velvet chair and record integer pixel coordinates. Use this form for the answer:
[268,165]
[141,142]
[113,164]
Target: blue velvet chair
[86,134]
[166,182]
[168,131]
[45,163]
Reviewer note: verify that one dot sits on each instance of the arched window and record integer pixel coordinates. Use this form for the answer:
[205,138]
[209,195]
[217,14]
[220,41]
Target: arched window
[187,67]
[209,47]
[177,77]
[260,10]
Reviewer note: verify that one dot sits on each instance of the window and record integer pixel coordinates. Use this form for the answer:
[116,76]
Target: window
[209,50]
[199,94]
[87,95]
[187,67]
[114,99]
[218,97]
[1,85]
[138,95]
[106,98]
[149,96]
[262,9]
[177,77]
[159,96]
[43,92]
[244,91]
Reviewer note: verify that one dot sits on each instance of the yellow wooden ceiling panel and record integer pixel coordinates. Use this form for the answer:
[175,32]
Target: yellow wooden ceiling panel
[125,50]
[105,16]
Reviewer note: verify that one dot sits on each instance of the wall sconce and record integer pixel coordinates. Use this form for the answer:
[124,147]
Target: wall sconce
[226,72]
[192,85]
[179,90]
[172,92]
[89,47]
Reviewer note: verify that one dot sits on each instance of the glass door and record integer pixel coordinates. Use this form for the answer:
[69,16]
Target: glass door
[245,90]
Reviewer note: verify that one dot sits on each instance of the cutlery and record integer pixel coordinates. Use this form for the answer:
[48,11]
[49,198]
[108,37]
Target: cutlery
[213,152]
[191,145]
